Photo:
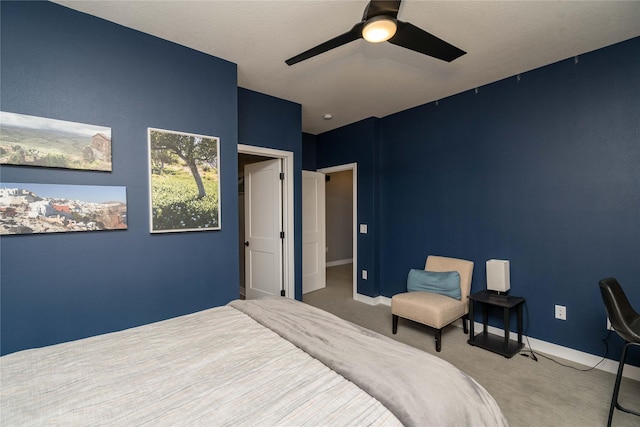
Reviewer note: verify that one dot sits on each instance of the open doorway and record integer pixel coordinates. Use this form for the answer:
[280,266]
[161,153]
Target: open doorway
[284,272]
[341,192]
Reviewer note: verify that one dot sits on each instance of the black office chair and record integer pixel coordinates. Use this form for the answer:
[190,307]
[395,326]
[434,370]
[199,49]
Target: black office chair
[626,322]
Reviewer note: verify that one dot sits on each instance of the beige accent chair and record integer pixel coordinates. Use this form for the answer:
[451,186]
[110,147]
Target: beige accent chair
[435,310]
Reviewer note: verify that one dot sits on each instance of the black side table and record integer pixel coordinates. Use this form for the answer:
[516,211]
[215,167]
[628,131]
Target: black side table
[504,346]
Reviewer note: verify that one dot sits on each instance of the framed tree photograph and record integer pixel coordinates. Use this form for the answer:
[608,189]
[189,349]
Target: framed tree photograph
[184,181]
[39,141]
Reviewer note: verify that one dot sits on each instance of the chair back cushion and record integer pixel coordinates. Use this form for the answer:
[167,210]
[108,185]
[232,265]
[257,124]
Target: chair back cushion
[462,266]
[444,283]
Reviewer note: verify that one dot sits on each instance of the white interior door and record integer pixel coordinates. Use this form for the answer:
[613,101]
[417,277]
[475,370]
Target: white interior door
[263,224]
[313,232]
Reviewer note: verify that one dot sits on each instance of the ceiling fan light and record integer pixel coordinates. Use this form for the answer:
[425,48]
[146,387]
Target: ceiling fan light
[379,29]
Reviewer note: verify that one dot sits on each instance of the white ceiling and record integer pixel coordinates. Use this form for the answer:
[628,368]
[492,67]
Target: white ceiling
[361,80]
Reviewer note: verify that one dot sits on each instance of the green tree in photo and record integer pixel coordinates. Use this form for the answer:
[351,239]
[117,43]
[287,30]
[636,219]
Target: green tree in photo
[191,149]
[160,158]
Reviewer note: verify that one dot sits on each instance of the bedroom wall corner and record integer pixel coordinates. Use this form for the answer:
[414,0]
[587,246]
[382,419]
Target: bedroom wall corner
[309,147]
[270,122]
[540,169]
[358,143]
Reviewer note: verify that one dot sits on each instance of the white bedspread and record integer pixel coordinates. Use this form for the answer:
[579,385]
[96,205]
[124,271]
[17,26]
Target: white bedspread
[217,367]
[419,388]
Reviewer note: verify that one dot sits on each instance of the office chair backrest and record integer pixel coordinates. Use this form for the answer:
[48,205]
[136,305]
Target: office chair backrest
[619,310]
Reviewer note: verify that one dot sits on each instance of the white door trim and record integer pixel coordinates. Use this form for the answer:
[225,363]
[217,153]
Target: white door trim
[288,257]
[353,167]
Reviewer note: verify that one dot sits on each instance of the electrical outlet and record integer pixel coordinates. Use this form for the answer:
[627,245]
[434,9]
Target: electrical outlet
[364,274]
[561,312]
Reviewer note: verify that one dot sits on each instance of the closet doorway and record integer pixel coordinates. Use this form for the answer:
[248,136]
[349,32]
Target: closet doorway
[266,233]
[341,200]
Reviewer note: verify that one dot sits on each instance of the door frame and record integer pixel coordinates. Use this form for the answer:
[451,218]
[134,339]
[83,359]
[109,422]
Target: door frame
[341,168]
[288,255]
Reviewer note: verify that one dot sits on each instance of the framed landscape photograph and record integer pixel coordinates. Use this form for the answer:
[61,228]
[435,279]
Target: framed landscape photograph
[38,141]
[184,181]
[54,208]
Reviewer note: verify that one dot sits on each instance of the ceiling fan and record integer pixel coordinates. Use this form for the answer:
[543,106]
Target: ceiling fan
[379,23]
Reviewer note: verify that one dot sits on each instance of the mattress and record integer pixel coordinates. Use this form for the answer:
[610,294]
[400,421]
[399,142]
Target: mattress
[264,362]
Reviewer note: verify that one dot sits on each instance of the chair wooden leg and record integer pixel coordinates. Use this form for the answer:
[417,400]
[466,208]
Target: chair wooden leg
[616,387]
[438,340]
[395,323]
[465,323]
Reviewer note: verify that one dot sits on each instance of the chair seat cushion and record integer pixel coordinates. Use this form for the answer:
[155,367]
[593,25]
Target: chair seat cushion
[431,309]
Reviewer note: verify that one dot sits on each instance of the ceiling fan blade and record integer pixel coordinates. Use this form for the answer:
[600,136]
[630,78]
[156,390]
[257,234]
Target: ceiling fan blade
[411,37]
[354,34]
[377,8]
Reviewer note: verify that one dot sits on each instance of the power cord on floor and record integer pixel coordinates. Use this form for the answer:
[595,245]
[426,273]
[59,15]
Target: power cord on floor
[528,352]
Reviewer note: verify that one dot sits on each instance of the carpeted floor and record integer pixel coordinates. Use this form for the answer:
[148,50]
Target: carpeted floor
[530,393]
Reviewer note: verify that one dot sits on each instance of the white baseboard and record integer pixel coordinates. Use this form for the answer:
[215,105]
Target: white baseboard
[586,359]
[339,262]
[372,300]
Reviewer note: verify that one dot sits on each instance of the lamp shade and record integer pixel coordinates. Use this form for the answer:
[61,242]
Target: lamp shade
[498,277]
[379,29]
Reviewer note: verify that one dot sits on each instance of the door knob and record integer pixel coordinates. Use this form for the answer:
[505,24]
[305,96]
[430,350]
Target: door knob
[246,243]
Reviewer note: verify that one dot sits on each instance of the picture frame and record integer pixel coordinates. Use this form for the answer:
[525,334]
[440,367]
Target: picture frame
[184,181]
[27,208]
[42,142]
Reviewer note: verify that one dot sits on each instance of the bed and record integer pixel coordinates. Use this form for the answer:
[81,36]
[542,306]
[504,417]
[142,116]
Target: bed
[272,361]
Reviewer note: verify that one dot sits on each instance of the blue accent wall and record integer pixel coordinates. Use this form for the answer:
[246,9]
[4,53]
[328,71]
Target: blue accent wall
[309,143]
[543,171]
[359,143]
[63,64]
[269,122]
